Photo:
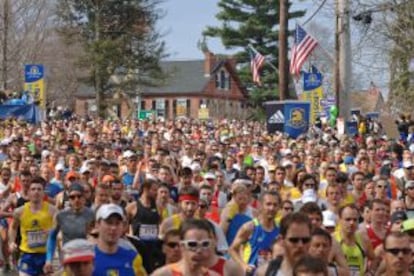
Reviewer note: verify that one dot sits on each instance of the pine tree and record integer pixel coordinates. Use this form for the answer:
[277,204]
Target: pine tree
[253,22]
[119,37]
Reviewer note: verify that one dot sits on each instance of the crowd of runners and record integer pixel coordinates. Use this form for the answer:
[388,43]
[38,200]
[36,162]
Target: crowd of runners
[97,197]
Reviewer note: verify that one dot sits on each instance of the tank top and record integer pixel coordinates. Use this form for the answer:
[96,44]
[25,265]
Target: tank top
[354,255]
[258,249]
[375,240]
[146,221]
[219,266]
[176,271]
[34,228]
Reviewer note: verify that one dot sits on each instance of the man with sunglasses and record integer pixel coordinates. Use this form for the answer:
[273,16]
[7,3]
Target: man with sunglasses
[171,246]
[397,254]
[295,236]
[195,245]
[72,222]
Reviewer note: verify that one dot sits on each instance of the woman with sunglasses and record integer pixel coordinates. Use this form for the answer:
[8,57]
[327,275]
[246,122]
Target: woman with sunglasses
[195,245]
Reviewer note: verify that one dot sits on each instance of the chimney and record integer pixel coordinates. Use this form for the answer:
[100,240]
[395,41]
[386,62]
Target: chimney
[209,62]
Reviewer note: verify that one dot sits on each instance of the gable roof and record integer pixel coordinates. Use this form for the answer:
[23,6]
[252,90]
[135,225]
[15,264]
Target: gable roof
[186,76]
[365,100]
[182,76]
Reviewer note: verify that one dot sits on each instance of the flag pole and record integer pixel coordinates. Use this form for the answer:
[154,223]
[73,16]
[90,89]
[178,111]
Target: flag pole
[266,60]
[283,45]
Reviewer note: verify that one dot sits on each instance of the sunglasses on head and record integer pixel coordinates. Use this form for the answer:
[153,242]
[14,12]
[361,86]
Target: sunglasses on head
[193,245]
[304,240]
[396,251]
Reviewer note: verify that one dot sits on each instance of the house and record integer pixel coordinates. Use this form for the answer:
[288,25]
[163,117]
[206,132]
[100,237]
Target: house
[367,101]
[192,88]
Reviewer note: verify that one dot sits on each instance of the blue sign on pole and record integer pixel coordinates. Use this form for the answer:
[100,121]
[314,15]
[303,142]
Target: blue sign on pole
[33,72]
[297,115]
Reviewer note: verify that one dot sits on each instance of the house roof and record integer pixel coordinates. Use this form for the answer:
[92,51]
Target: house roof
[182,77]
[365,100]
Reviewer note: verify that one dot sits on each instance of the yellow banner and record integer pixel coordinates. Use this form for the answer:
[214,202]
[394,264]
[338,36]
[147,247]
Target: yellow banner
[314,97]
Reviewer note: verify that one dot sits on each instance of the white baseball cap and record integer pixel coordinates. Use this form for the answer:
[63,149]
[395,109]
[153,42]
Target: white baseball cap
[59,167]
[106,210]
[78,250]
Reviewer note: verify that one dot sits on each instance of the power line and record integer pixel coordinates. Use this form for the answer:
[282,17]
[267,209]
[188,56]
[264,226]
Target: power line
[314,13]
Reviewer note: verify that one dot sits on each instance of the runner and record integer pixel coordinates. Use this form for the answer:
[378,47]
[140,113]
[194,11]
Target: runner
[110,257]
[397,254]
[73,223]
[145,221]
[35,220]
[257,236]
[295,235]
[195,244]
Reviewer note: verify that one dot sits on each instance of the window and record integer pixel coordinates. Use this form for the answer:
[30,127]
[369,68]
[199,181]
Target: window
[223,80]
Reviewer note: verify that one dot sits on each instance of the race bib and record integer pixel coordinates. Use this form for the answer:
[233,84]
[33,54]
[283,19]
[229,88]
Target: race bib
[263,257]
[148,232]
[36,238]
[354,270]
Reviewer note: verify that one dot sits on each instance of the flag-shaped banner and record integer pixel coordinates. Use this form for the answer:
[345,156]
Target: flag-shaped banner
[256,62]
[303,46]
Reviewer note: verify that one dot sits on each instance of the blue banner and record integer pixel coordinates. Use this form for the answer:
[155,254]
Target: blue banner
[372,115]
[297,115]
[351,128]
[33,72]
[29,113]
[312,80]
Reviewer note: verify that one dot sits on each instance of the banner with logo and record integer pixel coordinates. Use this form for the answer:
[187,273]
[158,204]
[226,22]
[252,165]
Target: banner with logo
[181,107]
[203,113]
[34,82]
[352,128]
[275,116]
[297,116]
[314,97]
[313,92]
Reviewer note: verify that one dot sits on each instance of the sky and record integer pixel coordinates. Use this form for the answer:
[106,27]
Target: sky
[183,25]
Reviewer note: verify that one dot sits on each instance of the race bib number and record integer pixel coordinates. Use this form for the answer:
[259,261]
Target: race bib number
[148,232]
[36,238]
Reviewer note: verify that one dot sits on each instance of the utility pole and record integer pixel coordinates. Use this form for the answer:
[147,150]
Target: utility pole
[6,11]
[343,69]
[283,65]
[98,80]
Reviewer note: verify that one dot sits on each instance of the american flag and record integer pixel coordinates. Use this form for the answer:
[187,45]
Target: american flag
[302,48]
[256,62]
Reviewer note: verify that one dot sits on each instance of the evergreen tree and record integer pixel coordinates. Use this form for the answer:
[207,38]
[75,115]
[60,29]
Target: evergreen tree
[119,38]
[253,22]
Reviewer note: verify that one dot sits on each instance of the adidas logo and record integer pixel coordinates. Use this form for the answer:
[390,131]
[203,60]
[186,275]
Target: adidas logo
[277,118]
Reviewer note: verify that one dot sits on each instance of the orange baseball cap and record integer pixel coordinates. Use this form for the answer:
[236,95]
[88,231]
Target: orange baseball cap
[72,174]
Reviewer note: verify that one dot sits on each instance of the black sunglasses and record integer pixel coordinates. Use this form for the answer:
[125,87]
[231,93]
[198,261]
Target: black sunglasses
[304,240]
[172,244]
[396,251]
[75,196]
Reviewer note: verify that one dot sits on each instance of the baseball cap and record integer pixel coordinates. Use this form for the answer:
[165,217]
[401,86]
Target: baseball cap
[78,250]
[409,184]
[209,175]
[398,215]
[59,167]
[84,169]
[128,154]
[348,160]
[287,163]
[408,164]
[106,210]
[75,187]
[72,174]
[108,178]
